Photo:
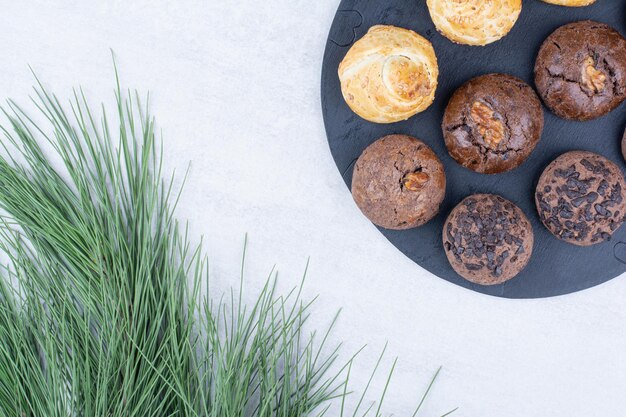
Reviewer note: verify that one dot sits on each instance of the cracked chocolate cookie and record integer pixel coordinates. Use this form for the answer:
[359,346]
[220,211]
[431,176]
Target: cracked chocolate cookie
[580,70]
[580,198]
[488,240]
[398,182]
[492,123]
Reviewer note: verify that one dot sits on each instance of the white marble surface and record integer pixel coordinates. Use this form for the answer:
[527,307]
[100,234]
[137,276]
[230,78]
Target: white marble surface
[235,88]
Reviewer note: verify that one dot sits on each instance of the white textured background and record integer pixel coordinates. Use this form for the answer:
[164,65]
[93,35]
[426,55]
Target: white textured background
[235,87]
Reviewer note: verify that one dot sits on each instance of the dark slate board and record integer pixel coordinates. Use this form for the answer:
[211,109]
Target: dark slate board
[556,267]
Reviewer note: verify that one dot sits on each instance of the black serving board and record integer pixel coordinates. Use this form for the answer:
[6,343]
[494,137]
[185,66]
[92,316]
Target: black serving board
[556,267]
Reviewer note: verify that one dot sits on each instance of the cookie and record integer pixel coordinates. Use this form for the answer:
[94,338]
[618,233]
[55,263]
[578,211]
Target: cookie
[389,75]
[580,71]
[571,3]
[398,182]
[492,123]
[488,240]
[580,198]
[474,22]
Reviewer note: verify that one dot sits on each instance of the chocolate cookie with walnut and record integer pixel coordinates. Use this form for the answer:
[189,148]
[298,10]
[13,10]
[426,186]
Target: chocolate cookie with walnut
[398,182]
[580,70]
[488,240]
[580,198]
[492,123]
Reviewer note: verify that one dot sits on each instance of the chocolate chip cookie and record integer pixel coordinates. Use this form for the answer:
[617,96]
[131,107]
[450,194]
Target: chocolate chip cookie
[580,198]
[580,70]
[488,240]
[398,182]
[492,123]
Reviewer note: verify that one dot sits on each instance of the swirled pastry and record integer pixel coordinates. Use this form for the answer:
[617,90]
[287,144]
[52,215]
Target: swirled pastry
[389,75]
[474,22]
[571,3]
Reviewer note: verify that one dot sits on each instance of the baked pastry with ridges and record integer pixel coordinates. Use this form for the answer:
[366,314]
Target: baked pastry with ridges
[580,198]
[389,75]
[474,22]
[492,123]
[571,3]
[398,182]
[580,71]
[488,240]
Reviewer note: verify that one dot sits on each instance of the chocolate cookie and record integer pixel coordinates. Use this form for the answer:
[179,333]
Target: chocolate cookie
[492,123]
[487,239]
[580,198]
[580,71]
[398,182]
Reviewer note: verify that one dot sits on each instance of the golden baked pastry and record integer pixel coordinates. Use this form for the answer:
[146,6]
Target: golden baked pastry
[389,74]
[571,3]
[474,22]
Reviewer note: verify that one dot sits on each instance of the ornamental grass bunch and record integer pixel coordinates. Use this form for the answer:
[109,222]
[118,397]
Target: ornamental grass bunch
[101,312]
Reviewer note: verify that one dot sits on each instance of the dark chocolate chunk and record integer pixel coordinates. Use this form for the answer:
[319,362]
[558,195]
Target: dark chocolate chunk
[474,267]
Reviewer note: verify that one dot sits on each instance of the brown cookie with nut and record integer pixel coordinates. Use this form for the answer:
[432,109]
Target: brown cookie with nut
[580,198]
[398,182]
[492,123]
[580,71]
[488,240]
